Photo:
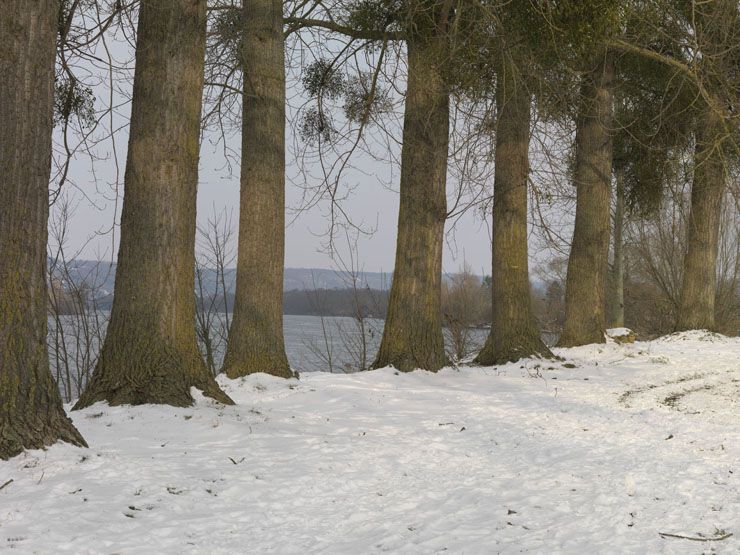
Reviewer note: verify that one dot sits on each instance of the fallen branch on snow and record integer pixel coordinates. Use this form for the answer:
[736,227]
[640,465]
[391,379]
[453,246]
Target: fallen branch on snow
[721,536]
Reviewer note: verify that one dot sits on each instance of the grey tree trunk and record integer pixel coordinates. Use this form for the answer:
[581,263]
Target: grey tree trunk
[256,342]
[585,320]
[412,337]
[617,301]
[696,308]
[150,354]
[514,332]
[31,412]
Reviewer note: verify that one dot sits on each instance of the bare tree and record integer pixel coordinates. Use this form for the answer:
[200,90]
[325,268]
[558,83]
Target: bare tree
[150,353]
[78,324]
[360,340]
[696,309]
[616,312]
[585,296]
[412,336]
[31,412]
[514,331]
[351,346]
[323,350]
[256,342]
[655,244]
[464,304]
[214,287]
[715,28]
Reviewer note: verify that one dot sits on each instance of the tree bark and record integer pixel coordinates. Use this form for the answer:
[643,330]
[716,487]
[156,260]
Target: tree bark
[31,412]
[256,342]
[696,308]
[617,301]
[585,320]
[514,333]
[150,354]
[412,337]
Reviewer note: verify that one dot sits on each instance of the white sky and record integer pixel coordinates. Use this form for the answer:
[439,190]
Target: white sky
[371,204]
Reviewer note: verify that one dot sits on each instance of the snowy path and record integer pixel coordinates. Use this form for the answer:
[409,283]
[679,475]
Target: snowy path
[542,458]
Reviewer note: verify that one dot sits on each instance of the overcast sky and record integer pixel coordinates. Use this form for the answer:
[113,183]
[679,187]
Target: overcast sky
[371,204]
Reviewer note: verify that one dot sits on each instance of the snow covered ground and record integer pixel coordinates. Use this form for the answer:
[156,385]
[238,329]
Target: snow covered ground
[598,453]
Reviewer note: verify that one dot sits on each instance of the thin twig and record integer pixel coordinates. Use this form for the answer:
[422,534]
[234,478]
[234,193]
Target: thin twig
[6,483]
[696,539]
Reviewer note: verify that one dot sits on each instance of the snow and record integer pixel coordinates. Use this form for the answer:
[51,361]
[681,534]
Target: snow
[538,457]
[618,332]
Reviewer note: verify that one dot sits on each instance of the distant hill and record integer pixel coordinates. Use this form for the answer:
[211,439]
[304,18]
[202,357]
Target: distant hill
[101,276]
[306,290]
[316,278]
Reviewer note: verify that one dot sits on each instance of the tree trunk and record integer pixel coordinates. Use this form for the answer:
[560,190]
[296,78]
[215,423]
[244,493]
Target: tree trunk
[617,301]
[256,341]
[150,354]
[514,333]
[588,264]
[412,337]
[696,309]
[31,412]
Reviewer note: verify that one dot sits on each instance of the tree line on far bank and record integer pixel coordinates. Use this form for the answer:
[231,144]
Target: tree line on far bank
[648,85]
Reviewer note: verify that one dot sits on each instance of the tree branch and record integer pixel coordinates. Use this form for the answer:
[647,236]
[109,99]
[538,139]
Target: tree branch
[297,23]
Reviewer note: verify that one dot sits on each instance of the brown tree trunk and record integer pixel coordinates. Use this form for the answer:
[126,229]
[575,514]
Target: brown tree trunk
[585,320]
[412,337]
[256,341]
[514,333]
[31,412]
[617,301]
[696,309]
[150,354]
